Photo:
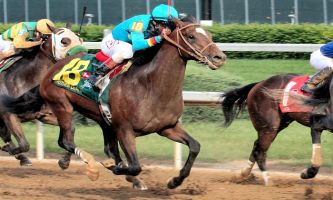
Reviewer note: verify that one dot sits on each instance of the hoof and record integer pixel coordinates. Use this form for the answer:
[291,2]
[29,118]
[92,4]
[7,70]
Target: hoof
[108,164]
[140,186]
[269,183]
[174,182]
[137,183]
[92,172]
[25,163]
[310,172]
[63,164]
[245,173]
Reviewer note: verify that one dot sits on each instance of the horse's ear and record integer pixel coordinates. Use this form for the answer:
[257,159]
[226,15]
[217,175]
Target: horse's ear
[178,23]
[52,29]
[184,17]
[68,25]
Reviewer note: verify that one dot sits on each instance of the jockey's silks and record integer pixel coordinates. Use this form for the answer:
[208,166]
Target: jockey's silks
[22,35]
[135,31]
[20,29]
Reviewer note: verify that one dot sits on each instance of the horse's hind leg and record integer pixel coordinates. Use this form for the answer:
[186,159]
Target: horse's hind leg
[178,134]
[259,153]
[63,110]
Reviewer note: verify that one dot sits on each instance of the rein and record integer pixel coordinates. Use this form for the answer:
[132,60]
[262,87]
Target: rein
[46,53]
[196,53]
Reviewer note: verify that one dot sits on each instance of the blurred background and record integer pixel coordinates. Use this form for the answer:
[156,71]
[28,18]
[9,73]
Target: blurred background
[232,21]
[220,11]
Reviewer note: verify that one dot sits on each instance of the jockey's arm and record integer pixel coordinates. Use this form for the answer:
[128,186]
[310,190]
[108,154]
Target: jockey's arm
[20,42]
[139,42]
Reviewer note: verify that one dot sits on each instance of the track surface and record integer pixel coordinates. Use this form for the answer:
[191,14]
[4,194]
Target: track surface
[45,180]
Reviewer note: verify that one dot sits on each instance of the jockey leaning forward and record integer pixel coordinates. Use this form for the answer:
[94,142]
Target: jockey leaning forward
[23,35]
[321,60]
[136,33]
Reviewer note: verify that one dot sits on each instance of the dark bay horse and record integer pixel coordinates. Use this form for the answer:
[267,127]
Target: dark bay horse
[145,99]
[262,100]
[25,74]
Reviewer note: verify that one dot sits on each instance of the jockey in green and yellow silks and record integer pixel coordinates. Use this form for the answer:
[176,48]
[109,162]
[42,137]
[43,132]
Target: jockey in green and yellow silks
[136,33]
[23,35]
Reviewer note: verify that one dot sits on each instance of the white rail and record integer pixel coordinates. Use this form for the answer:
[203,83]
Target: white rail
[247,47]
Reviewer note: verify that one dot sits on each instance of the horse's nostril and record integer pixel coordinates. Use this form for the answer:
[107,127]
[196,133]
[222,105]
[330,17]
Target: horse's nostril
[219,57]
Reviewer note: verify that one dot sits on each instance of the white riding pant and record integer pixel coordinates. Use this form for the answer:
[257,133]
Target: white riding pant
[319,61]
[116,49]
[5,45]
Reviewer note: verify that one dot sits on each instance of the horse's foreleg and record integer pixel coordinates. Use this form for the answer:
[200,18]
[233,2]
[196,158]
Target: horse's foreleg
[317,159]
[6,137]
[112,151]
[126,139]
[14,127]
[178,134]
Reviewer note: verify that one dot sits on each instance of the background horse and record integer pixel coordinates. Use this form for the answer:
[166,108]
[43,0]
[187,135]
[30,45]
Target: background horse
[262,100]
[25,74]
[145,99]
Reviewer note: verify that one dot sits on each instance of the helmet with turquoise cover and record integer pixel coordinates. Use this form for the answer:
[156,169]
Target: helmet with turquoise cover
[164,13]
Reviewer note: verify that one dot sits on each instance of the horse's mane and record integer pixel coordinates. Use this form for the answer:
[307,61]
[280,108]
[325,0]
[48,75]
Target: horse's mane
[145,56]
[28,53]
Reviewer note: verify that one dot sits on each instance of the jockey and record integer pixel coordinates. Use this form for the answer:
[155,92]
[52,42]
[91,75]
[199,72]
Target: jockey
[321,60]
[23,35]
[136,33]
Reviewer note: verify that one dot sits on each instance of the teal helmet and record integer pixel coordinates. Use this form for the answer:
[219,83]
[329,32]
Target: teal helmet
[164,13]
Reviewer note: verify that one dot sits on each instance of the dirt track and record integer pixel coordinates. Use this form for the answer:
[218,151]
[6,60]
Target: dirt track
[45,180]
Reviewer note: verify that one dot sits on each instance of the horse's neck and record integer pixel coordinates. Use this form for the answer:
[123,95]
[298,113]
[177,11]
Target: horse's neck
[35,67]
[166,71]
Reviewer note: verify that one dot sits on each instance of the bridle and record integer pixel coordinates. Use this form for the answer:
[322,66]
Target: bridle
[46,53]
[197,54]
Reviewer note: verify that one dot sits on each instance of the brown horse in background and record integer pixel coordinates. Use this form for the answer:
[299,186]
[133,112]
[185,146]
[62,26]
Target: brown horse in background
[145,99]
[25,74]
[262,100]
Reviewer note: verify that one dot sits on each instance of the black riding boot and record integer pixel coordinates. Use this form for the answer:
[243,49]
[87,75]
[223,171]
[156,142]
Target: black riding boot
[317,80]
[98,74]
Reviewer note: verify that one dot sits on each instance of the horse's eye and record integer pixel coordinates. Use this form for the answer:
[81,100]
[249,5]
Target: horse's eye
[65,41]
[191,37]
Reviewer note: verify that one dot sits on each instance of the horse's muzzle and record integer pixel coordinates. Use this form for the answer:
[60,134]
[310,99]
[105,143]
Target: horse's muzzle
[217,61]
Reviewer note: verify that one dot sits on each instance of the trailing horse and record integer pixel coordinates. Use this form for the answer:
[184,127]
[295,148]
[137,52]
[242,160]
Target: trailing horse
[273,104]
[145,99]
[26,73]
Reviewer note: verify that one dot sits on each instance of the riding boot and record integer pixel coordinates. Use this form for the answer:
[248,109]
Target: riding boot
[101,72]
[316,80]
[98,74]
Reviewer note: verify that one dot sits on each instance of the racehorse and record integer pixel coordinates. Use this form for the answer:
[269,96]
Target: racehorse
[262,100]
[25,74]
[145,99]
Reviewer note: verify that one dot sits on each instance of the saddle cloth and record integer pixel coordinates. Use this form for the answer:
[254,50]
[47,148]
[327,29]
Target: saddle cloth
[75,74]
[7,62]
[289,103]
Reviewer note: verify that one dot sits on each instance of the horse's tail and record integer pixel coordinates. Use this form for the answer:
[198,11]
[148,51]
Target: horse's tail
[233,102]
[29,102]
